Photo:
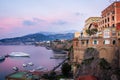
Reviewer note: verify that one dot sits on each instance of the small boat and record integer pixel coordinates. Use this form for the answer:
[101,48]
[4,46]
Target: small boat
[30,63]
[47,47]
[40,68]
[2,58]
[24,65]
[18,54]
[15,68]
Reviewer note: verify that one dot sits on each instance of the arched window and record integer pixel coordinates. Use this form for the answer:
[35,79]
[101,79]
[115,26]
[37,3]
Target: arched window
[95,42]
[87,41]
[114,42]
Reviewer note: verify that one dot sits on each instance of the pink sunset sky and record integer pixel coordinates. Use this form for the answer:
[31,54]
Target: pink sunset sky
[22,17]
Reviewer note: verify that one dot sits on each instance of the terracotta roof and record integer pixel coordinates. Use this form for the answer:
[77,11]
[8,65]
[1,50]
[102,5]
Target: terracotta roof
[87,77]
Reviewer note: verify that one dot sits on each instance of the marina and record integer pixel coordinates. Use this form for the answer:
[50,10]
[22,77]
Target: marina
[39,60]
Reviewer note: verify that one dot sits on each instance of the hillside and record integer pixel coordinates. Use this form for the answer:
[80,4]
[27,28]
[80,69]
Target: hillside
[31,38]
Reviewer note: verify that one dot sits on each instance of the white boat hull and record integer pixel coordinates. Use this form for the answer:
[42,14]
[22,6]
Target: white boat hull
[18,54]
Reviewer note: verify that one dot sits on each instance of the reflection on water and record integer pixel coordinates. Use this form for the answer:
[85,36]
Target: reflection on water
[39,56]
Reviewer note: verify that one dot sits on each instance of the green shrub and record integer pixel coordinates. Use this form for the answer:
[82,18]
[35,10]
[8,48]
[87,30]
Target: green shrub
[104,64]
[66,69]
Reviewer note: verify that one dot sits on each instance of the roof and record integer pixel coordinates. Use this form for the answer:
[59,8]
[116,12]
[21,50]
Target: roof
[22,74]
[87,77]
[18,75]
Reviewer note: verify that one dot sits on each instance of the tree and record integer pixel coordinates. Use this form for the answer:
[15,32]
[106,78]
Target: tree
[66,69]
[91,31]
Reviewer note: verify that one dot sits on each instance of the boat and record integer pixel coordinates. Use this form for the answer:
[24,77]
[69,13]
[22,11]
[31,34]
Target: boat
[2,58]
[48,47]
[15,68]
[18,54]
[24,65]
[40,68]
[30,63]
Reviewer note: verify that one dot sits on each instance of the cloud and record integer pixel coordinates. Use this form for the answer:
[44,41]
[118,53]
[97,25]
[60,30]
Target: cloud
[33,22]
[60,22]
[29,23]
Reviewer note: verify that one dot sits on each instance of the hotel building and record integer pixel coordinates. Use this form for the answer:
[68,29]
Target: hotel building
[109,41]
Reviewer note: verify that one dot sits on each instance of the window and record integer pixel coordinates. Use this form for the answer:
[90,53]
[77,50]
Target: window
[105,26]
[82,42]
[118,33]
[113,12]
[113,33]
[113,18]
[105,20]
[95,42]
[106,42]
[87,41]
[114,42]
[108,25]
[108,20]
[113,25]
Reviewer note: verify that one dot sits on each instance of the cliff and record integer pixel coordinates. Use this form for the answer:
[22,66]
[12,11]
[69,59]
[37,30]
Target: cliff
[99,67]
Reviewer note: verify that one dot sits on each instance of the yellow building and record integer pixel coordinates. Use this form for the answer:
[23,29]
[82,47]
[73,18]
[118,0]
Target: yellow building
[76,34]
[90,23]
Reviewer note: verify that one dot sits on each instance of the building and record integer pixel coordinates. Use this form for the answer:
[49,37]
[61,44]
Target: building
[91,22]
[108,41]
[77,35]
[111,19]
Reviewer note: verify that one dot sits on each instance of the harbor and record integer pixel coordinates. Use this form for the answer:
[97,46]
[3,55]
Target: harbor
[39,60]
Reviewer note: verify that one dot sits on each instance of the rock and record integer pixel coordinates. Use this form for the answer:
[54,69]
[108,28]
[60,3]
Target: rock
[99,67]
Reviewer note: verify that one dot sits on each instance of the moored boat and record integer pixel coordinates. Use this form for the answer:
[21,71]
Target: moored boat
[2,58]
[18,54]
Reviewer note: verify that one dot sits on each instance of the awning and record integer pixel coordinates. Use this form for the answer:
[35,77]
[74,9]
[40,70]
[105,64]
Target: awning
[87,77]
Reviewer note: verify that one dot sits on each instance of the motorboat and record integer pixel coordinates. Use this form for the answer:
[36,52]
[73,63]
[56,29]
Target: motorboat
[30,63]
[15,68]
[18,54]
[2,58]
[24,65]
[40,68]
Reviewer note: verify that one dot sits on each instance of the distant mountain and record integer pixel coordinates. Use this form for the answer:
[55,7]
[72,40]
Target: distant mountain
[70,31]
[47,33]
[35,38]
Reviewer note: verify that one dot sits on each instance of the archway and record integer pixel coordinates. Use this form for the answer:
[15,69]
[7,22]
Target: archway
[103,53]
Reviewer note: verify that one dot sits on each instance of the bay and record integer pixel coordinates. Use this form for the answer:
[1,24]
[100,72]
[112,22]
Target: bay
[39,56]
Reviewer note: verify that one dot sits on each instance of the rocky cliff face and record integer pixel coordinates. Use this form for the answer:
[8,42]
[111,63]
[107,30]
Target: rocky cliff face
[99,67]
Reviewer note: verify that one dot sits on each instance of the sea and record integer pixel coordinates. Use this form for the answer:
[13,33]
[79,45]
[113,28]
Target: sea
[39,56]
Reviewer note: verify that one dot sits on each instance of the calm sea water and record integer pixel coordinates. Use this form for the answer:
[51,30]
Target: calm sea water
[40,56]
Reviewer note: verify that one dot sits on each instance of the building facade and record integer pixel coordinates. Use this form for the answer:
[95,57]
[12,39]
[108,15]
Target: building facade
[90,23]
[111,19]
[109,39]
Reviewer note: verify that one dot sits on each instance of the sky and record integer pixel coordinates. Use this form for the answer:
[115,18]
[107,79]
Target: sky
[22,17]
